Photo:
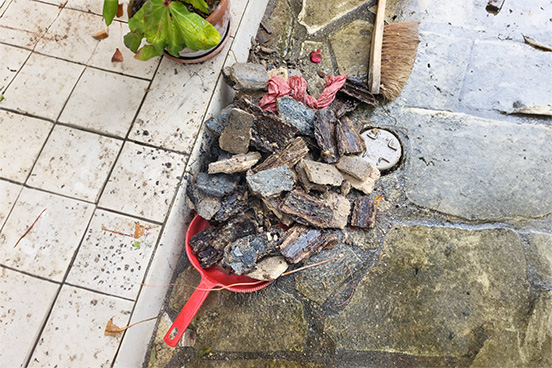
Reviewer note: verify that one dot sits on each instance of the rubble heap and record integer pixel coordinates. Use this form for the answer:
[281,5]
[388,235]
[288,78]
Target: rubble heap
[281,187]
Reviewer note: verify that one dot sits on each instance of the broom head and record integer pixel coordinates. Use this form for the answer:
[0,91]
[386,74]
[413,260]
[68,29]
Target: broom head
[400,44]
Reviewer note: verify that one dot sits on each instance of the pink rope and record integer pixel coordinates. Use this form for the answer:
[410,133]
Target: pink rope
[296,87]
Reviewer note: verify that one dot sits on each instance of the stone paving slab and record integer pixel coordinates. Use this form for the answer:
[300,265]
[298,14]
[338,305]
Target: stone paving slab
[436,292]
[476,168]
[520,81]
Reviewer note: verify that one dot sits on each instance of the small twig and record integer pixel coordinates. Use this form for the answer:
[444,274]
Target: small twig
[353,283]
[309,266]
[29,229]
[116,232]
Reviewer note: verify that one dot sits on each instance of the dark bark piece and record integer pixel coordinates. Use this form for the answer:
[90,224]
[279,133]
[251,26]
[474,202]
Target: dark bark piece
[234,164]
[271,182]
[233,205]
[324,132]
[364,213]
[273,204]
[341,107]
[359,91]
[269,132]
[307,209]
[294,151]
[217,185]
[349,142]
[209,244]
[301,242]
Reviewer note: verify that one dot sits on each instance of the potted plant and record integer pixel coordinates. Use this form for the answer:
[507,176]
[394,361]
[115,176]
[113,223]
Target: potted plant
[184,30]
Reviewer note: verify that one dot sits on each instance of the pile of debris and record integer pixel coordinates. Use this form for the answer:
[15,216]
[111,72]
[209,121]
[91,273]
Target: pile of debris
[281,187]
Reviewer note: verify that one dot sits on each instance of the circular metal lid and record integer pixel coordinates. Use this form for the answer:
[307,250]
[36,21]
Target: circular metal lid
[383,148]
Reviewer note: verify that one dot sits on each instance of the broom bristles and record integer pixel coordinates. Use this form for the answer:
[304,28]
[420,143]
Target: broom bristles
[400,44]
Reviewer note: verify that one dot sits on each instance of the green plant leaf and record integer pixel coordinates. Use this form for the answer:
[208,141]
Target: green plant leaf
[200,5]
[110,10]
[168,25]
[147,52]
[1,98]
[133,40]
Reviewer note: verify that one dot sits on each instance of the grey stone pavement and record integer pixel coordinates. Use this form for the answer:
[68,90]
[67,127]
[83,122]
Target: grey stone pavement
[458,270]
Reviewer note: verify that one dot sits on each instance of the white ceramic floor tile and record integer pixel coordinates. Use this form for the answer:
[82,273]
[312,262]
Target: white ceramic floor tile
[16,27]
[21,139]
[176,104]
[74,333]
[70,36]
[24,305]
[135,343]
[110,262]
[104,102]
[75,163]
[248,29]
[47,249]
[237,8]
[129,66]
[42,86]
[9,194]
[12,60]
[95,7]
[143,182]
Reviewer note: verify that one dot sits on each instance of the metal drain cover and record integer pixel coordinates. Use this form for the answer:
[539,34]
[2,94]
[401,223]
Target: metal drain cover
[383,148]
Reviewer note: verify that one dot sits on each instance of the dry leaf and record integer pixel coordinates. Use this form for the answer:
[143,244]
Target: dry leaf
[120,11]
[138,230]
[536,44]
[102,35]
[117,57]
[112,329]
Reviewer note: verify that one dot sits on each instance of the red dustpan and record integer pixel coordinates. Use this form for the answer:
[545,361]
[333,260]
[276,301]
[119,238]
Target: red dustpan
[210,278]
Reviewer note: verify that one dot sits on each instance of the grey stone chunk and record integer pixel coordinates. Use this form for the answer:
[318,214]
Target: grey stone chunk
[321,173]
[250,323]
[243,254]
[237,163]
[355,167]
[485,86]
[217,185]
[320,282]
[217,123]
[438,72]
[437,292]
[205,205]
[477,168]
[271,182]
[540,257]
[297,114]
[270,268]
[237,133]
[246,76]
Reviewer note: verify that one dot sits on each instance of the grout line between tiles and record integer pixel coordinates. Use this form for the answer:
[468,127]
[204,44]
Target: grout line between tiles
[99,292]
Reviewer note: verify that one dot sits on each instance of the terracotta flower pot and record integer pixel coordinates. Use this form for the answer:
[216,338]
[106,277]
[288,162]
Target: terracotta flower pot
[222,21]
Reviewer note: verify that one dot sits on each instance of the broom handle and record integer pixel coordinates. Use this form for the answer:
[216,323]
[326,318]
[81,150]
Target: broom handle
[374,67]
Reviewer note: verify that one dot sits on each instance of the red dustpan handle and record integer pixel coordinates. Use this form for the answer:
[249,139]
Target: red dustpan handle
[188,312]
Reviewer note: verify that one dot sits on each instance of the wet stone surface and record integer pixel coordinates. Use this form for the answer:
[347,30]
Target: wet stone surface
[438,292]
